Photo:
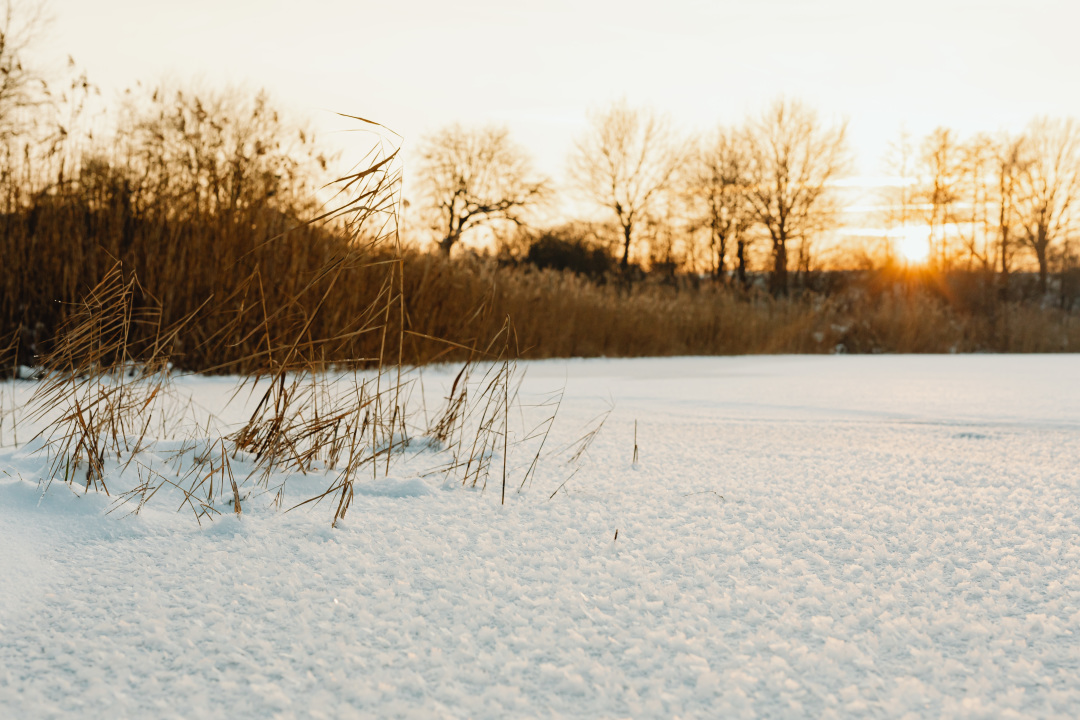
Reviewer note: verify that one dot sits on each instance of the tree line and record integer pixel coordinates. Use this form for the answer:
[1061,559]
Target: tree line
[990,200]
[767,187]
[758,199]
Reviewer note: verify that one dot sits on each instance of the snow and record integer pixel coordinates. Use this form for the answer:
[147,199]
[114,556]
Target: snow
[846,536]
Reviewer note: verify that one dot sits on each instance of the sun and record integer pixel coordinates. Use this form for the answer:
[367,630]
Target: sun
[913,246]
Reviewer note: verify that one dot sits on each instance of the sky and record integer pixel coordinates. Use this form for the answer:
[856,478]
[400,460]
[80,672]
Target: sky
[417,65]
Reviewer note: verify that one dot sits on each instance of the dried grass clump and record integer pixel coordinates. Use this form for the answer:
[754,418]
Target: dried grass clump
[474,425]
[102,388]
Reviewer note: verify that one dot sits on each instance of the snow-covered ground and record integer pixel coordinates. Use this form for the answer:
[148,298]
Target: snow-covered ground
[801,537]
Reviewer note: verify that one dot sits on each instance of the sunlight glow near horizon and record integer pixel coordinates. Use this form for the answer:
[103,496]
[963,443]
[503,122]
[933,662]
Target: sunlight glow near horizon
[913,245]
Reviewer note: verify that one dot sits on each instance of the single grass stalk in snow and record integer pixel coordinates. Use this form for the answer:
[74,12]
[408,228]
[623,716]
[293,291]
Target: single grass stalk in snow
[635,460]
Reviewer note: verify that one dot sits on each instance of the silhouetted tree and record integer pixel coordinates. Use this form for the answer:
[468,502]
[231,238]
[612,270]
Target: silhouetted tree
[624,161]
[1049,185]
[716,185]
[20,86]
[216,152]
[977,182]
[1008,165]
[900,207]
[960,189]
[940,172]
[669,242]
[473,177]
[792,159]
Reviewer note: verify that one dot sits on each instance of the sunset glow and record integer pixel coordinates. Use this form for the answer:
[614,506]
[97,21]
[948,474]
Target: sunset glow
[912,246]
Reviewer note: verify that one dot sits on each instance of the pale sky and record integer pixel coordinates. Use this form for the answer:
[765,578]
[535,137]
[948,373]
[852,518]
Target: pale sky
[416,65]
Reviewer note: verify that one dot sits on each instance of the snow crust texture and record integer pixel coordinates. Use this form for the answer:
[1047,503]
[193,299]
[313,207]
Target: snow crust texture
[889,537]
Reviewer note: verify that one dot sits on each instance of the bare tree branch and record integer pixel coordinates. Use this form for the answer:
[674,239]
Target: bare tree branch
[475,177]
[1049,185]
[627,158]
[21,87]
[792,160]
[715,182]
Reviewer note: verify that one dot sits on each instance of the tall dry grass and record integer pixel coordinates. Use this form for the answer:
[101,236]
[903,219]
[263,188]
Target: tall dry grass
[559,314]
[255,288]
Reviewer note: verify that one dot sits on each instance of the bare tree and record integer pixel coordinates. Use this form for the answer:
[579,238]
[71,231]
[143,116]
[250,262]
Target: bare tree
[962,189]
[792,159]
[1009,164]
[21,23]
[940,170]
[667,236]
[474,177]
[899,198]
[215,152]
[974,215]
[1049,185]
[624,161]
[716,185]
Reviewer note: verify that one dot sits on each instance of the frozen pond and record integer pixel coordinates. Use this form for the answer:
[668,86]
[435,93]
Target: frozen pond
[859,536]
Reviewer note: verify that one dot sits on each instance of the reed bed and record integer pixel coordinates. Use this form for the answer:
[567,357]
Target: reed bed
[243,308]
[560,314]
